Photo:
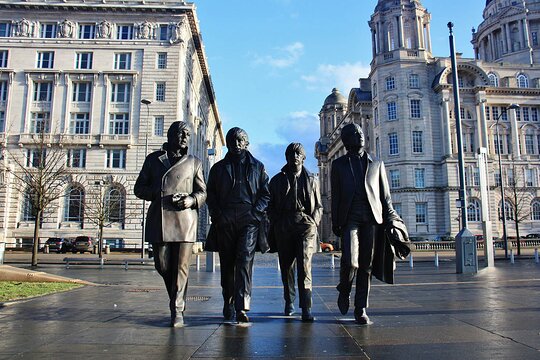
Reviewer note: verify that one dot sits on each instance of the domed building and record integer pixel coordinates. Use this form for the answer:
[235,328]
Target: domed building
[406,109]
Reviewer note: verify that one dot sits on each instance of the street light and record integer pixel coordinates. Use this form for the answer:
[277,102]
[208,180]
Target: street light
[145,102]
[503,202]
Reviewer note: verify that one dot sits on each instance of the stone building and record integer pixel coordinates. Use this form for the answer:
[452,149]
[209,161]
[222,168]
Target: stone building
[102,81]
[406,109]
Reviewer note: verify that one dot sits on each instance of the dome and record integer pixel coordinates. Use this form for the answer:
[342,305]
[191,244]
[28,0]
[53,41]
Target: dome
[384,5]
[335,98]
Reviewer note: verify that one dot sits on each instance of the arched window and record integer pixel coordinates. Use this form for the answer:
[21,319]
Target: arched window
[408,35]
[115,204]
[493,80]
[473,211]
[522,81]
[391,37]
[508,209]
[535,210]
[27,209]
[74,207]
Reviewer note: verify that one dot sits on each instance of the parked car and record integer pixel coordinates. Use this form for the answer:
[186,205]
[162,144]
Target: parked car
[83,244]
[326,247]
[444,238]
[418,239]
[532,236]
[59,245]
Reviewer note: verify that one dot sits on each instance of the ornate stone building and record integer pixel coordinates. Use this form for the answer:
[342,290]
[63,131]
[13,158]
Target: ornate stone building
[103,80]
[406,109]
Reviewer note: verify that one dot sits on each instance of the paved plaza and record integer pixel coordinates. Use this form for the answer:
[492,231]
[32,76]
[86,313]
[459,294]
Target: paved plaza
[432,313]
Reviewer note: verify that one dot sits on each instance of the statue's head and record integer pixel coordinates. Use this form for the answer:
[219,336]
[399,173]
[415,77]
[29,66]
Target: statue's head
[352,137]
[178,135]
[237,140]
[295,155]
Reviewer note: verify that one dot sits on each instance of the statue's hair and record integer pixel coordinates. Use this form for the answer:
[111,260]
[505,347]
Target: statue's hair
[348,132]
[175,128]
[235,133]
[295,147]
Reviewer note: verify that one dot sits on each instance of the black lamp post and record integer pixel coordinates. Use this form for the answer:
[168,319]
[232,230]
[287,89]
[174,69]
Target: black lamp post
[145,102]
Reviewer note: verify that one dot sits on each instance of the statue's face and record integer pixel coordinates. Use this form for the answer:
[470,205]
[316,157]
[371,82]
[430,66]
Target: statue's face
[355,140]
[295,159]
[180,139]
[238,144]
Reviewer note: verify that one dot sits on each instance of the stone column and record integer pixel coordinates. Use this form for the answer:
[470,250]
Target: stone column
[428,34]
[508,37]
[400,31]
[504,39]
[447,133]
[373,43]
[515,135]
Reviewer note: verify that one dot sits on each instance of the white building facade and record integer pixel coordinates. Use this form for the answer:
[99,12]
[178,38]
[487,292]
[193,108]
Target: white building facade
[407,112]
[77,71]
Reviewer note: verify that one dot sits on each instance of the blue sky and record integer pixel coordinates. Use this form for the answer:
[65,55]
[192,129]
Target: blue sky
[273,62]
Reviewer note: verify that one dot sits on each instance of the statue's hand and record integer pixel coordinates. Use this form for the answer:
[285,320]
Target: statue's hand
[337,230]
[183,201]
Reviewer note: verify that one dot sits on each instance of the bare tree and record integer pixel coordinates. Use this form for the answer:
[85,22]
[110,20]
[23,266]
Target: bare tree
[41,173]
[520,194]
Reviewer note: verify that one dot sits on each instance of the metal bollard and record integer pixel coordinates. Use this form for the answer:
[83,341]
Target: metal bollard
[512,256]
[411,261]
[198,262]
[332,262]
[436,259]
[536,259]
[46,249]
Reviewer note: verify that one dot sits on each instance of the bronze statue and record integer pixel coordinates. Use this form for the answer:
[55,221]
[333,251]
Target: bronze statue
[363,216]
[237,199]
[295,211]
[173,181]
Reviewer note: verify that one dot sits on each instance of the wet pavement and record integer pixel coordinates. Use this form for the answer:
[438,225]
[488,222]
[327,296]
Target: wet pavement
[432,313]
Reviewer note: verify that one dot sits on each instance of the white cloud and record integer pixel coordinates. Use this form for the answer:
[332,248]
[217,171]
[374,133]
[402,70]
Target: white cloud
[343,76]
[284,57]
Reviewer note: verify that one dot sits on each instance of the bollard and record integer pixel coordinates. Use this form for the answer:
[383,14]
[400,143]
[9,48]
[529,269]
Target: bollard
[411,261]
[107,249]
[536,260]
[46,249]
[198,262]
[511,256]
[332,262]
[2,252]
[436,259]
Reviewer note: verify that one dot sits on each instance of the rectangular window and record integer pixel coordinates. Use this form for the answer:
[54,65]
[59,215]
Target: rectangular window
[395,179]
[510,180]
[45,60]
[534,36]
[39,122]
[530,177]
[3,58]
[124,32]
[5,29]
[2,123]
[47,31]
[419,178]
[534,114]
[476,176]
[121,92]
[495,111]
[392,110]
[36,158]
[82,91]
[116,159]
[87,31]
[421,213]
[119,124]
[163,32]
[529,143]
[390,83]
[76,158]
[43,91]
[162,60]
[488,113]
[414,81]
[374,89]
[158,125]
[397,208]
[416,112]
[417,142]
[393,144]
[83,60]
[122,61]
[160,91]
[498,144]
[497,179]
[538,144]
[504,114]
[526,115]
[508,143]
[376,116]
[80,123]
[518,115]
[378,147]
[3,90]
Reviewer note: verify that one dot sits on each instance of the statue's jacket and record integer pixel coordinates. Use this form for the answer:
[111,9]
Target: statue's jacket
[157,182]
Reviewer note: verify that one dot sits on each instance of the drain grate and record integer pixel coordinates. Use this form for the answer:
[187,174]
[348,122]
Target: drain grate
[138,290]
[198,298]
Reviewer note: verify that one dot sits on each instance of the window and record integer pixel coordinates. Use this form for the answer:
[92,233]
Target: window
[36,158]
[535,210]
[395,179]
[534,37]
[3,58]
[76,158]
[47,31]
[497,179]
[39,122]
[493,80]
[119,124]
[3,90]
[121,92]
[495,110]
[74,206]
[508,143]
[529,143]
[421,213]
[124,32]
[82,91]
[163,32]
[376,116]
[2,124]
[525,111]
[415,109]
[510,180]
[417,140]
[374,91]
[476,176]
[80,123]
[393,144]
[392,110]
[43,91]
[419,178]
[83,60]
[378,147]
[116,159]
[158,125]
[160,91]
[534,114]
[390,83]
[5,29]
[522,81]
[115,204]
[397,208]
[518,115]
[530,177]
[414,81]
[473,211]
[122,61]
[45,60]
[162,60]
[28,209]
[87,31]
[508,210]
